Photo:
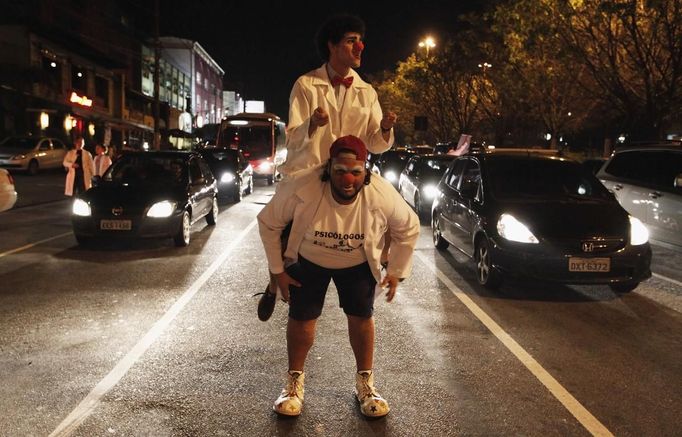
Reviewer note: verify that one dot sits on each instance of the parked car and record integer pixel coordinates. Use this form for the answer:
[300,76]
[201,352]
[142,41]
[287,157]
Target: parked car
[647,181]
[148,195]
[31,154]
[538,217]
[419,180]
[8,195]
[392,162]
[422,149]
[232,171]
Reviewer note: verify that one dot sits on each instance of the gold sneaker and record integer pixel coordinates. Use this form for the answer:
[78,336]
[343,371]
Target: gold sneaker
[290,402]
[371,402]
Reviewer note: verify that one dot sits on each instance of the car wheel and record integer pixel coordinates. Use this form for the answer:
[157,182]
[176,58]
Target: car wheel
[438,239]
[486,274]
[33,167]
[212,217]
[624,287]
[182,237]
[237,193]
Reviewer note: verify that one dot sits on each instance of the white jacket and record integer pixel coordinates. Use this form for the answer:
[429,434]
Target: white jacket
[383,210]
[361,116]
[88,170]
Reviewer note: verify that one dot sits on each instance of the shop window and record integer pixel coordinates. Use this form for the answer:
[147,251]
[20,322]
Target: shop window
[79,80]
[102,91]
[53,74]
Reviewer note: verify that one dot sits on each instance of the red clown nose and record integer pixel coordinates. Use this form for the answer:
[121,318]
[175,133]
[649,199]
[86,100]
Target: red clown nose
[348,179]
[358,46]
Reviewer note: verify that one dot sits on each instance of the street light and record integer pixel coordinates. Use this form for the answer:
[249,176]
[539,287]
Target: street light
[485,66]
[427,43]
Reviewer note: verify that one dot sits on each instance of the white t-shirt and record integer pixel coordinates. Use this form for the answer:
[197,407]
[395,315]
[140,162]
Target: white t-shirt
[334,239]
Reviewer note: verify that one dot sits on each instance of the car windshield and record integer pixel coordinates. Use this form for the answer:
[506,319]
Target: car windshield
[552,179]
[220,156]
[434,167]
[19,143]
[153,170]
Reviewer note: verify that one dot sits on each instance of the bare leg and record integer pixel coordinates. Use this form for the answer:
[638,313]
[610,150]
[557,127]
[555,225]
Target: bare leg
[300,338]
[361,335]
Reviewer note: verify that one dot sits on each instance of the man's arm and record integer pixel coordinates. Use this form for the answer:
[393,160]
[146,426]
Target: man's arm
[403,226]
[300,113]
[378,141]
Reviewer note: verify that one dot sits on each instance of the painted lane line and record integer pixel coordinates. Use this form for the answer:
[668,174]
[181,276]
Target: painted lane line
[92,400]
[591,423]
[28,246]
[665,278]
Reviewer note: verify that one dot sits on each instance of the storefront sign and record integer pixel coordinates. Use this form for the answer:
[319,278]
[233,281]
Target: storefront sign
[80,100]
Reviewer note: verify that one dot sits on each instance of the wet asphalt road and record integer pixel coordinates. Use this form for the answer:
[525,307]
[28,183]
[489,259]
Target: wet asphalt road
[147,339]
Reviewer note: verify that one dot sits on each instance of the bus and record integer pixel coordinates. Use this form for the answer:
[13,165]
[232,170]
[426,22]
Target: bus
[260,137]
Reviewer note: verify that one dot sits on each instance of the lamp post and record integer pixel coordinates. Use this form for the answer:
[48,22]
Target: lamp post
[428,43]
[485,66]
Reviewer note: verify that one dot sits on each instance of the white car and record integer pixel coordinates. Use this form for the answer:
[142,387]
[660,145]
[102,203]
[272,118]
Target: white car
[31,154]
[647,181]
[8,195]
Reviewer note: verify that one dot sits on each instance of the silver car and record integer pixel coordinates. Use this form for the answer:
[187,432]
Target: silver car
[647,181]
[31,154]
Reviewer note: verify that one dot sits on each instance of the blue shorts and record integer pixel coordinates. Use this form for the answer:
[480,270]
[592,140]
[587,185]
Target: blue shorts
[354,284]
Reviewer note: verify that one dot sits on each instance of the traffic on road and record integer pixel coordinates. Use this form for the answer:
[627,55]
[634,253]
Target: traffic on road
[145,338]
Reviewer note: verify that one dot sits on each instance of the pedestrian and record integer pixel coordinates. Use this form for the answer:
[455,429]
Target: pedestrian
[79,164]
[339,214]
[102,160]
[330,102]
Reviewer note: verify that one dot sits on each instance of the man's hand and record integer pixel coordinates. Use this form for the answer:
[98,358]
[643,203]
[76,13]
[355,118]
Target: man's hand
[283,282]
[392,283]
[388,121]
[319,117]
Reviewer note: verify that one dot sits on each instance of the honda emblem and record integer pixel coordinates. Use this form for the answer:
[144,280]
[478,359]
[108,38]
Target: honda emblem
[117,210]
[588,246]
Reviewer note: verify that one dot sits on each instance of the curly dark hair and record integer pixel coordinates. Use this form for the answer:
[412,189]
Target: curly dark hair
[333,30]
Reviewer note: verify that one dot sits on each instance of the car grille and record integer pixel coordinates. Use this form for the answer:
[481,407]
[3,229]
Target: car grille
[591,245]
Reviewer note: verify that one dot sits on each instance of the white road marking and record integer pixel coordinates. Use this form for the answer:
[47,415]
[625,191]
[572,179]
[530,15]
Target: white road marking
[665,278]
[28,246]
[591,423]
[92,400]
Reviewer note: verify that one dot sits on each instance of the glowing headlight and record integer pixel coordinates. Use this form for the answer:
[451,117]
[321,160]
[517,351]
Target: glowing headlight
[80,207]
[430,191]
[226,177]
[161,209]
[639,234]
[18,157]
[513,230]
[391,176]
[264,166]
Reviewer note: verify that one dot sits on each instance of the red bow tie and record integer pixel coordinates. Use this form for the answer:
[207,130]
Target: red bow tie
[345,81]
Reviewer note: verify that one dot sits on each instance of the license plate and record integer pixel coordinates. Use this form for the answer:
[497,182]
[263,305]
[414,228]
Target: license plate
[594,265]
[115,225]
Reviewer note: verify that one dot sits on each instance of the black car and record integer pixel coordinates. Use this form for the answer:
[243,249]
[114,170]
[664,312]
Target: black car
[392,162]
[148,194]
[418,183]
[232,171]
[539,217]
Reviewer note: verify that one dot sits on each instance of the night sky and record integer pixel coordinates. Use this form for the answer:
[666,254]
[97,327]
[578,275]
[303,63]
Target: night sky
[263,47]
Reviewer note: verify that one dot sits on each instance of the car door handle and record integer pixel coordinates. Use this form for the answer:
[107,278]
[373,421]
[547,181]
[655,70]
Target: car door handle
[655,195]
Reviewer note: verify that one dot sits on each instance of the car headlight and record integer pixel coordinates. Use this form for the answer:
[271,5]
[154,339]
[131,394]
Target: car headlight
[161,209]
[18,157]
[639,234]
[391,176]
[513,230]
[226,178]
[264,166]
[430,191]
[80,207]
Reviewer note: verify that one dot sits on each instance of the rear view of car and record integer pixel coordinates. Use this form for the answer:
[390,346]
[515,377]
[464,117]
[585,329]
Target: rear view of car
[647,181]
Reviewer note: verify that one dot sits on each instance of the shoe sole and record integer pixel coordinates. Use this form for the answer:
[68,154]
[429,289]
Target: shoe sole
[282,413]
